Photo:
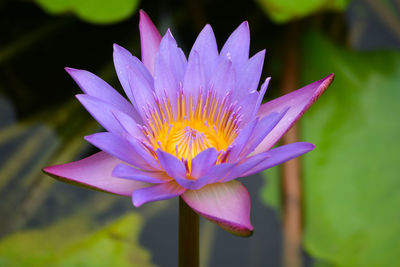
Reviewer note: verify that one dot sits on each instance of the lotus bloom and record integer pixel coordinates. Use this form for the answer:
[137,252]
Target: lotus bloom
[192,126]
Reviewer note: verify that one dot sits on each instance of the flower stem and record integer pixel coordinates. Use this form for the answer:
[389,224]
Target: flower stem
[291,180]
[188,254]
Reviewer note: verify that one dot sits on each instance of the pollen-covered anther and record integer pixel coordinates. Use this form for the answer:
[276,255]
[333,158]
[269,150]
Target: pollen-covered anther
[197,125]
[189,142]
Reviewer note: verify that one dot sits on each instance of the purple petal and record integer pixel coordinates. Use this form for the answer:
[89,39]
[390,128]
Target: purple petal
[226,204]
[94,172]
[144,153]
[203,162]
[241,140]
[157,192]
[96,87]
[224,77]
[214,174]
[279,155]
[206,46]
[173,56]
[261,94]
[128,172]
[128,124]
[134,135]
[248,76]
[142,91]
[150,40]
[124,63]
[299,101]
[102,112]
[165,83]
[194,79]
[248,103]
[119,148]
[171,164]
[245,166]
[262,129]
[169,70]
[238,45]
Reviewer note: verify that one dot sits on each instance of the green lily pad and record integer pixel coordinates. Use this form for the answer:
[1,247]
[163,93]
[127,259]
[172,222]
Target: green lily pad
[70,242]
[351,180]
[94,11]
[281,11]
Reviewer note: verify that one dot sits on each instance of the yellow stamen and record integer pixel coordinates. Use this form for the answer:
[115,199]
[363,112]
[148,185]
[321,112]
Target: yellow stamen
[198,125]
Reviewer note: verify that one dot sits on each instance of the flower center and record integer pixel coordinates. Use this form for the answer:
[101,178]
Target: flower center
[187,143]
[192,127]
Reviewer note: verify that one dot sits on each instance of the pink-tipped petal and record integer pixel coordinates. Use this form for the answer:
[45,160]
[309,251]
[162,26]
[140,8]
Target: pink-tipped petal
[226,204]
[279,155]
[299,101]
[96,87]
[95,172]
[157,192]
[150,40]
[238,45]
[206,46]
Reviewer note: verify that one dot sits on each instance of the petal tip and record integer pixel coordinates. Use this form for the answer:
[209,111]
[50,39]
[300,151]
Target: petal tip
[143,16]
[329,79]
[69,70]
[89,138]
[48,170]
[245,24]
[324,84]
[310,146]
[116,47]
[136,202]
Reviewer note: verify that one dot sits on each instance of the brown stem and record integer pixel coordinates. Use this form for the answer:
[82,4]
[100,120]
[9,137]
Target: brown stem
[291,183]
[188,253]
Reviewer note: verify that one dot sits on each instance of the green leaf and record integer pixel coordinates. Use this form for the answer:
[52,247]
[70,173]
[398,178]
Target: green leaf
[281,11]
[94,11]
[70,242]
[351,180]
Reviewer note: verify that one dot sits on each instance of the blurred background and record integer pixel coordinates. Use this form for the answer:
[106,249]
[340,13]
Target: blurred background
[346,192]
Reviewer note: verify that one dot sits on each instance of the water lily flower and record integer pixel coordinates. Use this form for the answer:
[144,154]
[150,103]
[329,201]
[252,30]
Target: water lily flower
[190,127]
